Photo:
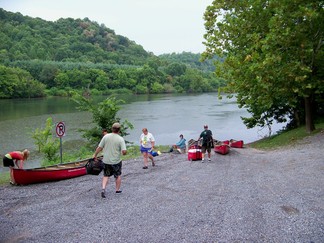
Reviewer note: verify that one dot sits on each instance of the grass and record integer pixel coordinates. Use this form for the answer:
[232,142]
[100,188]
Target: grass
[132,152]
[4,178]
[286,138]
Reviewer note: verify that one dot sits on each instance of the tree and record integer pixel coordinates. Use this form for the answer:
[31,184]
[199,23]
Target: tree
[157,88]
[273,54]
[176,69]
[47,75]
[104,115]
[147,76]
[46,143]
[18,83]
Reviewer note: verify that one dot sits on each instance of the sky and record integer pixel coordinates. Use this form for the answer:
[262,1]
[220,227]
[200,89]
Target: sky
[160,26]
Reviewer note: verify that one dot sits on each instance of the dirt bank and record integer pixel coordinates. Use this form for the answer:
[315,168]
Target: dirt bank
[245,196]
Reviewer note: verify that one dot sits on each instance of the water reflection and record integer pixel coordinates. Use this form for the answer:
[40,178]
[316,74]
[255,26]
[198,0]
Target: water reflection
[20,108]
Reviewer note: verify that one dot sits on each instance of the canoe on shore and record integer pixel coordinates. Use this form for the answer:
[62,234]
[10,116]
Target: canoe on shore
[236,143]
[50,173]
[221,148]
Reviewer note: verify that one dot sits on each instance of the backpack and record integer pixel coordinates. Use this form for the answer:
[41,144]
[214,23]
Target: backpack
[94,167]
[209,139]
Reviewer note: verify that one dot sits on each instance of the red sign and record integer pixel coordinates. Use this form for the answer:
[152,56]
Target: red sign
[60,129]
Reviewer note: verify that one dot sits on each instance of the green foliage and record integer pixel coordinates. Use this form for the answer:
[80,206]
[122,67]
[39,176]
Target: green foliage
[4,178]
[83,152]
[273,52]
[141,89]
[157,88]
[41,135]
[191,60]
[175,69]
[45,142]
[76,40]
[50,150]
[58,92]
[18,83]
[285,138]
[79,54]
[104,115]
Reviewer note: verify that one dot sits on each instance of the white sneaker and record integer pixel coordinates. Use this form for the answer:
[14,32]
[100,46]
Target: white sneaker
[209,159]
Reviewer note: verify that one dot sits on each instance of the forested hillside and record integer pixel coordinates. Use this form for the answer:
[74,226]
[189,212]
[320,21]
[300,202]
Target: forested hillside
[72,40]
[80,54]
[191,59]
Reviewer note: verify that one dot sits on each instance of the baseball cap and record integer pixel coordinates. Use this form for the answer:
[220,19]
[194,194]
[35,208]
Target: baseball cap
[116,125]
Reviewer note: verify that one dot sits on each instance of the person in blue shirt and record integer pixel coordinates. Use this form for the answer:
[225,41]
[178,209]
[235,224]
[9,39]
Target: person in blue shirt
[180,146]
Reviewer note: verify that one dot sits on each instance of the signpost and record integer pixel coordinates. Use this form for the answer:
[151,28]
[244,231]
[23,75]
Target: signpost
[60,132]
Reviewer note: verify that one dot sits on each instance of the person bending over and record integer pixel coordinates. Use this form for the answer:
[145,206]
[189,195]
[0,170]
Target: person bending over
[15,158]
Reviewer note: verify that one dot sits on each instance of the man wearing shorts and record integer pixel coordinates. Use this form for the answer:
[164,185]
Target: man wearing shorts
[207,137]
[113,146]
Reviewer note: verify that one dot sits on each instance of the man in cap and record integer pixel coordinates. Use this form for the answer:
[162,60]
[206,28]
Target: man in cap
[113,146]
[207,139]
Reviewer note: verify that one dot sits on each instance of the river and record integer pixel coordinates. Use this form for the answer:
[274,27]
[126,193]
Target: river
[166,117]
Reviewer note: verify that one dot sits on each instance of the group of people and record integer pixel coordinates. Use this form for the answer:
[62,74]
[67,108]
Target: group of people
[205,140]
[113,146]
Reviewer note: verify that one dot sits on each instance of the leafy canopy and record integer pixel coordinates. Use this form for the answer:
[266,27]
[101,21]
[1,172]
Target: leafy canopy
[273,53]
[104,115]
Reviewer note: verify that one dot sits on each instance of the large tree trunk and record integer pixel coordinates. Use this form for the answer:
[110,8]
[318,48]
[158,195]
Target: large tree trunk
[309,115]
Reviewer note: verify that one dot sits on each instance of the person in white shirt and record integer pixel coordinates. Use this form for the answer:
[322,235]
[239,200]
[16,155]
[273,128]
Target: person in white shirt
[147,142]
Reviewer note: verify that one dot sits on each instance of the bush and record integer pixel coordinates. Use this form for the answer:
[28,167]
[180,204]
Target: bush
[45,142]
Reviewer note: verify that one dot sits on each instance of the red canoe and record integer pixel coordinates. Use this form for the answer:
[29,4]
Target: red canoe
[236,143]
[222,148]
[50,173]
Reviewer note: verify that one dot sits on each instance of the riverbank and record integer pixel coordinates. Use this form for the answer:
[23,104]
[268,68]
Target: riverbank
[162,116]
[248,195]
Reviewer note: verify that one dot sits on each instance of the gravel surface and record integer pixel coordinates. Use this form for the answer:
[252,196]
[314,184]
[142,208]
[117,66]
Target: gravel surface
[247,195]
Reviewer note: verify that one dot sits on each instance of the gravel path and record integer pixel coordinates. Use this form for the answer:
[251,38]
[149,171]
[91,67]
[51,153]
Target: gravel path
[246,196]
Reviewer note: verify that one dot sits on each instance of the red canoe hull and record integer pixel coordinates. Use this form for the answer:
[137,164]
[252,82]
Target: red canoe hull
[50,173]
[221,149]
[236,143]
